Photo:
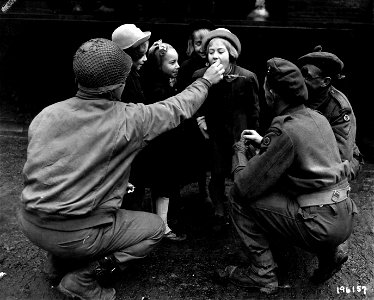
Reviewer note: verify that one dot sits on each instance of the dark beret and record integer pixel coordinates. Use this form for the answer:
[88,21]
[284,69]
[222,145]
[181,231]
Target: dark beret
[286,79]
[328,62]
[222,33]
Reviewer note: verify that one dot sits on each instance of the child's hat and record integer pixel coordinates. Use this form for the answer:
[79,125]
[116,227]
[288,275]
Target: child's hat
[128,35]
[222,33]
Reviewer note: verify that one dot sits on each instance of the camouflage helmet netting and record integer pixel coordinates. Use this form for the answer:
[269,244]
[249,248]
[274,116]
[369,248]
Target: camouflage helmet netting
[100,62]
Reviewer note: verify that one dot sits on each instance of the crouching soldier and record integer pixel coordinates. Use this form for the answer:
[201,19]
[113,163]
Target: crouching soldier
[78,164]
[321,70]
[295,188]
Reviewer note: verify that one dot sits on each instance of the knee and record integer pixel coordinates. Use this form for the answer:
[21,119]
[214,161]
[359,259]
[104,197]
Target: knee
[159,227]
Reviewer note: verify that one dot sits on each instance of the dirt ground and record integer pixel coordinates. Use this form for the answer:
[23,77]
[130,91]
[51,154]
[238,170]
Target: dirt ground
[184,270]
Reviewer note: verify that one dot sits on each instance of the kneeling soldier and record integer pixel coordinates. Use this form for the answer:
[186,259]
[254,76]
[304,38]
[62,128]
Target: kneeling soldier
[295,188]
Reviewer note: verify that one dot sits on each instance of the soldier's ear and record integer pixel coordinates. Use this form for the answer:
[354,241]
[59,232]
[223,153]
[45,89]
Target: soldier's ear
[326,81]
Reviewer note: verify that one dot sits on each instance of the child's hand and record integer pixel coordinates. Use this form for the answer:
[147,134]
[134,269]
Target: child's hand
[202,125]
[251,136]
[214,73]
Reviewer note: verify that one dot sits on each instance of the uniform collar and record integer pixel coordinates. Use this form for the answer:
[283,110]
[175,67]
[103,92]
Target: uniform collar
[322,98]
[291,109]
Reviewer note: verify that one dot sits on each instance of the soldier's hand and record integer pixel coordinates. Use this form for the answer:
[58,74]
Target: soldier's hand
[214,73]
[251,136]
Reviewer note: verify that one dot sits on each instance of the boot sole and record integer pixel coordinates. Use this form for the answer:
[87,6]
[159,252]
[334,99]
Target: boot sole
[72,295]
[68,293]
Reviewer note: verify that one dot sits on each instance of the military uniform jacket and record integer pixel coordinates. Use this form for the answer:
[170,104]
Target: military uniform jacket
[338,111]
[298,155]
[80,151]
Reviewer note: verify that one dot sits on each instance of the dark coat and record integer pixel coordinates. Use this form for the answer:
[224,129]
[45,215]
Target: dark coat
[232,106]
[133,91]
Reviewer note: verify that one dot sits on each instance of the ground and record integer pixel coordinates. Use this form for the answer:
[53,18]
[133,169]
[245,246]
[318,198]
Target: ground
[184,270]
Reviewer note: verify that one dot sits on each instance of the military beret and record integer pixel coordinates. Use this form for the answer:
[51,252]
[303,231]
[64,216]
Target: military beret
[286,79]
[222,33]
[328,62]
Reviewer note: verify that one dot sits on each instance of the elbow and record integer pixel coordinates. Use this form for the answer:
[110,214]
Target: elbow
[239,189]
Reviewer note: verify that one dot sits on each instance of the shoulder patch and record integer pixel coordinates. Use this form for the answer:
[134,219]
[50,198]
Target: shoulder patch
[266,141]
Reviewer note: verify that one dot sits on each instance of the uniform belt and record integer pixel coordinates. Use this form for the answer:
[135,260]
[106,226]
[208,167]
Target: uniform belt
[324,197]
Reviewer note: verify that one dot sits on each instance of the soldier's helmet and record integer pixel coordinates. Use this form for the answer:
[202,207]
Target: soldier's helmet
[100,63]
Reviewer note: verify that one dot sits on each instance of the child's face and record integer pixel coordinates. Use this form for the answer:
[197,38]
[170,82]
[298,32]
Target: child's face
[218,51]
[197,42]
[137,64]
[170,64]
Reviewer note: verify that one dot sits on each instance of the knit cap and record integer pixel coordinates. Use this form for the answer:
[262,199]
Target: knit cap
[222,33]
[99,63]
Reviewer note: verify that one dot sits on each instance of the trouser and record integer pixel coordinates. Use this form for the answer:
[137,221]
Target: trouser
[356,163]
[277,216]
[131,236]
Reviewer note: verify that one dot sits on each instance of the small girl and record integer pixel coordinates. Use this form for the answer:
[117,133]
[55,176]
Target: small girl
[231,106]
[135,43]
[160,74]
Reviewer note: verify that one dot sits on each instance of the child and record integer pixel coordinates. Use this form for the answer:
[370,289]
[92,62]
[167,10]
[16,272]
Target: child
[160,83]
[135,43]
[196,56]
[231,107]
[197,160]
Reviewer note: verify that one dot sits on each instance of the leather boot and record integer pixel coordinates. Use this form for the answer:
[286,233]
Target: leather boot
[83,284]
[331,263]
[243,277]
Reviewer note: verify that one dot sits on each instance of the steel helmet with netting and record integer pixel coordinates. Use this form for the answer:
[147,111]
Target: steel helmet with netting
[99,63]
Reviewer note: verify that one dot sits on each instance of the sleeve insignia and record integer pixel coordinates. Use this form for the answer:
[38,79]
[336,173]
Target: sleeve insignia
[266,141]
[346,118]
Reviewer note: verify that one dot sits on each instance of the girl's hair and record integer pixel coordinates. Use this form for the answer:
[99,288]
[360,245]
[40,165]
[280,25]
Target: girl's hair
[157,52]
[233,53]
[137,52]
[190,42]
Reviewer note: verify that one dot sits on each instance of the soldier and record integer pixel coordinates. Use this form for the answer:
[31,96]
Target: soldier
[295,188]
[78,164]
[320,70]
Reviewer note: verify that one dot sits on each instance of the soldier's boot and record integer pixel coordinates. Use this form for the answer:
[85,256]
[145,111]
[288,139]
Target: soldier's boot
[260,274]
[331,263]
[243,277]
[83,283]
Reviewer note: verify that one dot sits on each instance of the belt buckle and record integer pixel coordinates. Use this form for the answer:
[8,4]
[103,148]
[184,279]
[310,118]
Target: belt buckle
[335,196]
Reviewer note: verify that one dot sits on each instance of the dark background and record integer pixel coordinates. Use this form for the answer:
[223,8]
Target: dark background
[39,39]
